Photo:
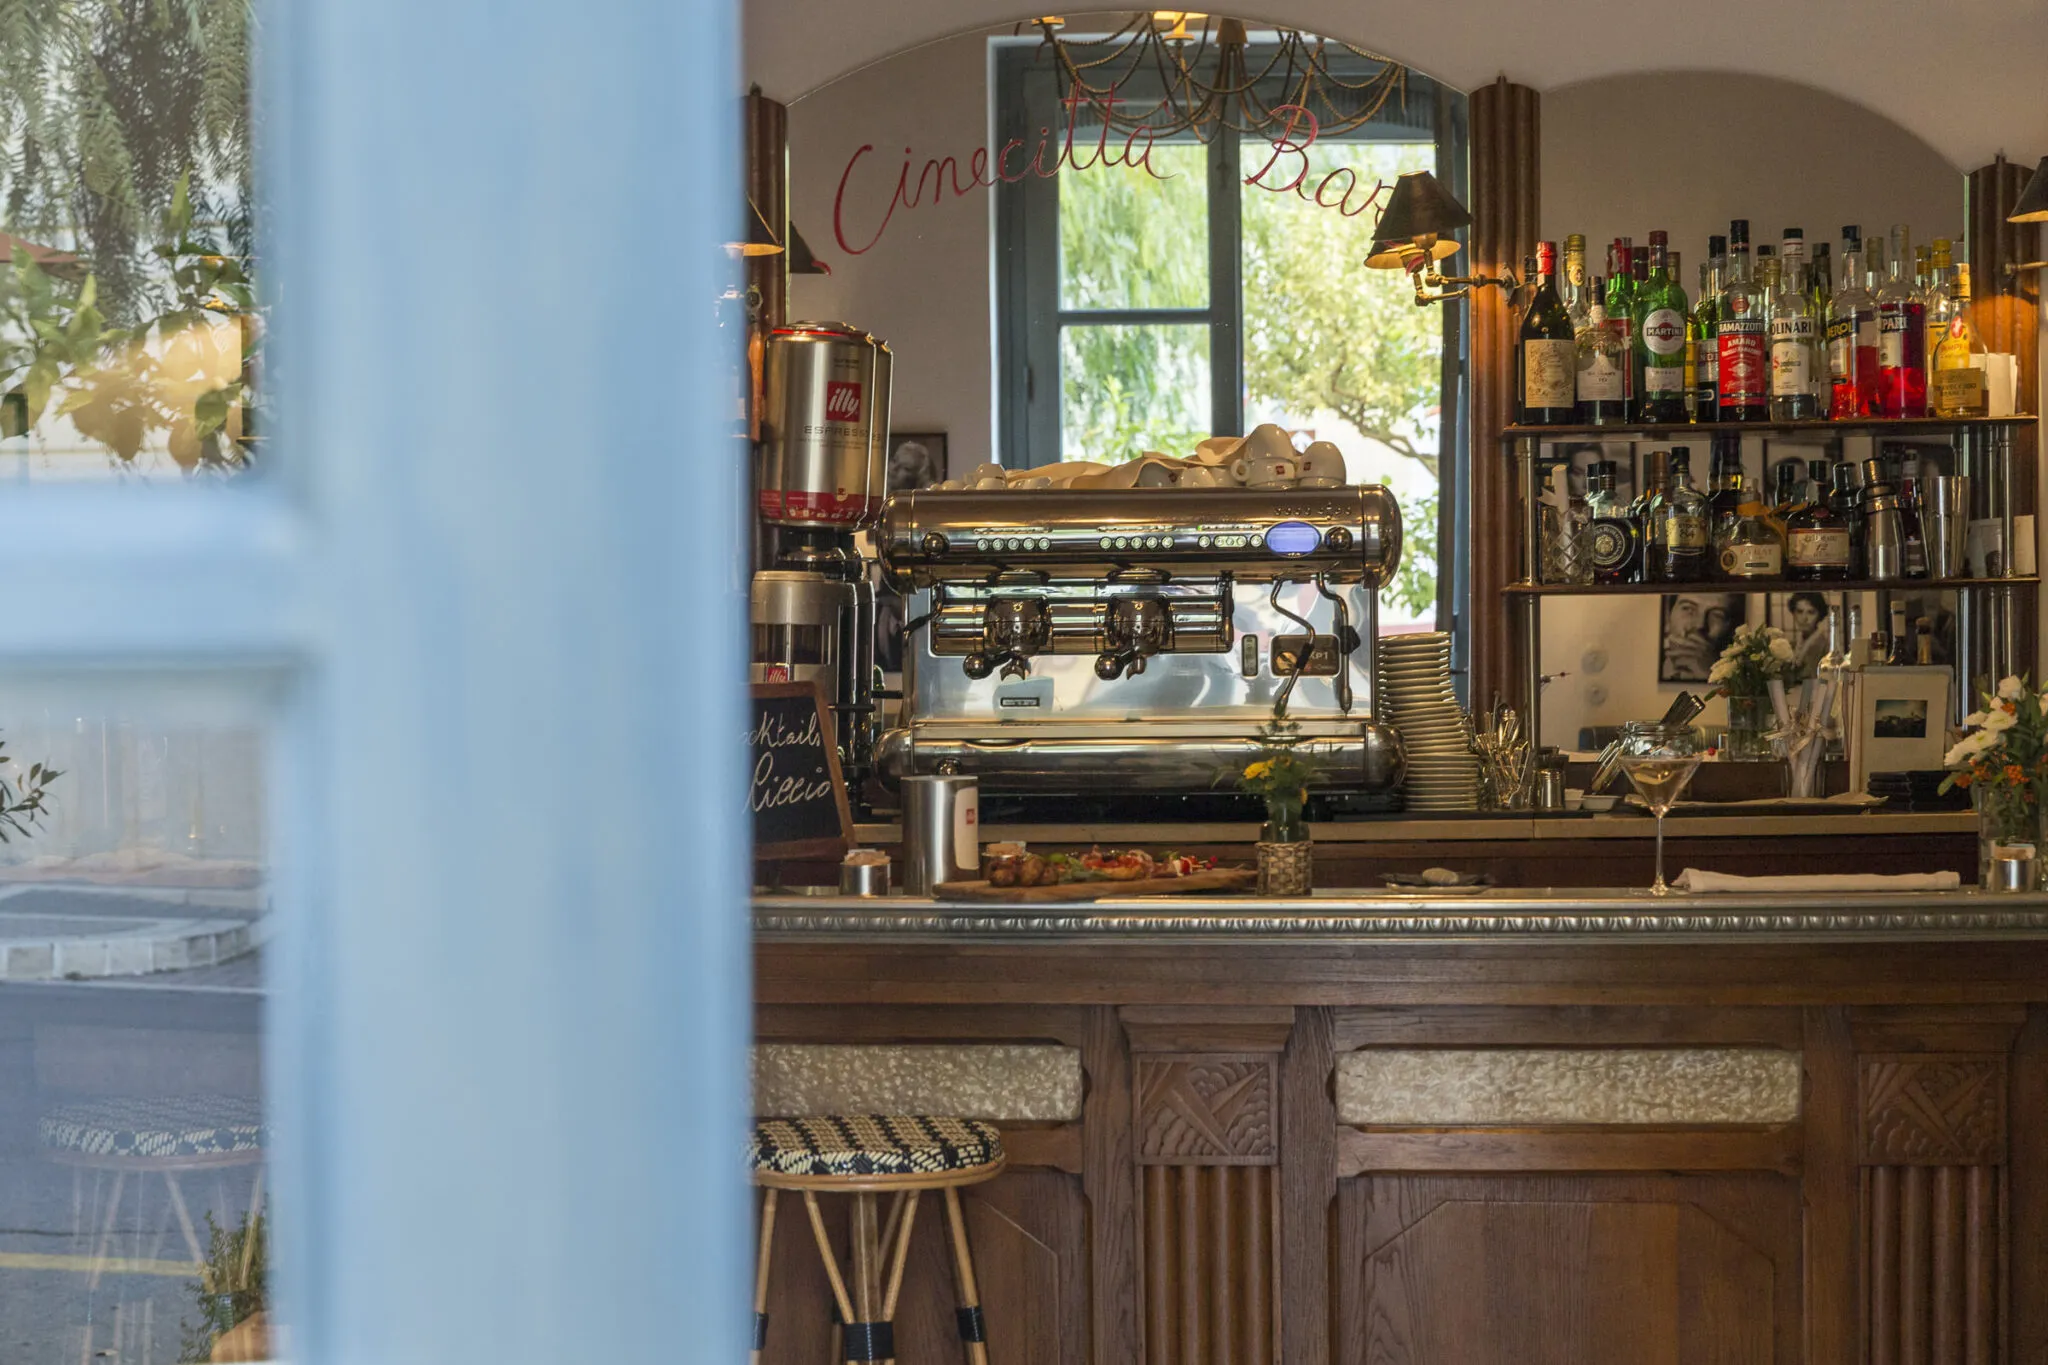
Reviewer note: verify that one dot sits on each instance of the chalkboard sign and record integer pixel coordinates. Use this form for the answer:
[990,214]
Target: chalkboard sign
[795,790]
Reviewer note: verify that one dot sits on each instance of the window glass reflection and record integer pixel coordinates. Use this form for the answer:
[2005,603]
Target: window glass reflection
[134,1144]
[129,337]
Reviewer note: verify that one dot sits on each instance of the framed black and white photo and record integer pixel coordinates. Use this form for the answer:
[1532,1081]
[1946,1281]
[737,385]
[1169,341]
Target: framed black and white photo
[1803,616]
[1694,627]
[1901,722]
[917,459]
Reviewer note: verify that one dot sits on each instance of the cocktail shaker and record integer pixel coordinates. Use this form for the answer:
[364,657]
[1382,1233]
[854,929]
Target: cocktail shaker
[941,832]
[1884,537]
[1945,525]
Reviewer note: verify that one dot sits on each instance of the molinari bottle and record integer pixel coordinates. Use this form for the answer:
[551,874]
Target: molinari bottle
[1548,372]
[1816,541]
[1795,351]
[1742,330]
[1603,368]
[1901,336]
[1660,340]
[1852,338]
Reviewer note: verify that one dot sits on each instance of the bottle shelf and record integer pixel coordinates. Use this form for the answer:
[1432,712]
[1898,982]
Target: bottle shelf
[1759,585]
[1895,426]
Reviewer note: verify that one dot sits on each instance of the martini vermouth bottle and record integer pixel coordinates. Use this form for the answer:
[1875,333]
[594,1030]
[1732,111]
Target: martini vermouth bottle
[1660,316]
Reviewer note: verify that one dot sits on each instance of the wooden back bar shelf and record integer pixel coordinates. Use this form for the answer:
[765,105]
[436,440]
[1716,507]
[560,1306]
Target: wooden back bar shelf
[1359,1129]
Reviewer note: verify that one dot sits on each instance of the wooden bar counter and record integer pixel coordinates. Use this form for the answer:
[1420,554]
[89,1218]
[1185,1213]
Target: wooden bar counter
[1553,1125]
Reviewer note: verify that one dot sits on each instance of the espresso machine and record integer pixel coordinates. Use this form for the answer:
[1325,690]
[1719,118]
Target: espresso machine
[818,481]
[1077,641]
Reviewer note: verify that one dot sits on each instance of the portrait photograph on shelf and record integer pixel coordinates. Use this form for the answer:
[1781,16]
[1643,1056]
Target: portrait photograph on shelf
[917,459]
[1696,627]
[1803,616]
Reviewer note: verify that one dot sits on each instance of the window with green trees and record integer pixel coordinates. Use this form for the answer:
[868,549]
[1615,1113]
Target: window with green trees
[1145,307]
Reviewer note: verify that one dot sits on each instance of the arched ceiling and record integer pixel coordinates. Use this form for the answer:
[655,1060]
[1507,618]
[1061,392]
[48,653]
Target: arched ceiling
[1970,77]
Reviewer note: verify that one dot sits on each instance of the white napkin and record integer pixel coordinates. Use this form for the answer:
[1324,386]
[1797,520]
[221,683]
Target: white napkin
[1698,882]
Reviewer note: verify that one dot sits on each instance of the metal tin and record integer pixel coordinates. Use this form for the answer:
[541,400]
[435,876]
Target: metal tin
[1945,525]
[825,426]
[941,832]
[864,879]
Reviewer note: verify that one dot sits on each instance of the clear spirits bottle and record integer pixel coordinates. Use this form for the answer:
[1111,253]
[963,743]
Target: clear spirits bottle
[1852,338]
[1795,352]
[1603,368]
[1660,339]
[1901,336]
[1747,545]
[1577,285]
[1959,362]
[1743,328]
[1678,554]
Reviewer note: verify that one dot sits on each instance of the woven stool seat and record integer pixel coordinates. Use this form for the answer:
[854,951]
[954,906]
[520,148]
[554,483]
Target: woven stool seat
[183,1126]
[857,1147]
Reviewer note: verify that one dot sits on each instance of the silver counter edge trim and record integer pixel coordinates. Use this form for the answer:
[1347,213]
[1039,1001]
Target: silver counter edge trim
[1901,916]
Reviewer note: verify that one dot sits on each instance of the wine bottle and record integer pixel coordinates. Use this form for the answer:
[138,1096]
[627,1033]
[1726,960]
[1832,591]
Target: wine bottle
[1548,372]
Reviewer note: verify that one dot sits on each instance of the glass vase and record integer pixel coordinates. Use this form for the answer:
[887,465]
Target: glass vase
[1286,857]
[1749,720]
[2008,838]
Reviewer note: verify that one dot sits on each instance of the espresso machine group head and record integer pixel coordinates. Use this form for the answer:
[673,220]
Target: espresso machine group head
[1063,637]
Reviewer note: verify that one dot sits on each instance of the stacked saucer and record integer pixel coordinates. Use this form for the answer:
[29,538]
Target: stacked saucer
[1416,696]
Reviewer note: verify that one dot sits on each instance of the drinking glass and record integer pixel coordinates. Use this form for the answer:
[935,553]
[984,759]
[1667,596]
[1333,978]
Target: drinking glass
[1659,760]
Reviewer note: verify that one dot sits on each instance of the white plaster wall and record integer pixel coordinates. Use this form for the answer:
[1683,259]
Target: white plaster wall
[1779,154]
[1905,57]
[925,288]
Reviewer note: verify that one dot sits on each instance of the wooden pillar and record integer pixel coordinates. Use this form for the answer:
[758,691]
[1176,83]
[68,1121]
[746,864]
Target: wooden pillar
[1505,194]
[1931,1114]
[766,123]
[1205,1123]
[2007,311]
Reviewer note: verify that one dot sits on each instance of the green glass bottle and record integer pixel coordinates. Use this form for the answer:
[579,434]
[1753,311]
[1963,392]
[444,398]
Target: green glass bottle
[1621,312]
[1660,314]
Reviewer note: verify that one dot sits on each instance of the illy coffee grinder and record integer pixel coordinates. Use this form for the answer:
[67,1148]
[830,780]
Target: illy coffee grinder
[818,480]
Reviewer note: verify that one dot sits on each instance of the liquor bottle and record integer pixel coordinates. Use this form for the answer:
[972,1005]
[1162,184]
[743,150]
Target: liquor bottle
[1789,499]
[1816,541]
[1617,539]
[1724,482]
[1901,336]
[1750,545]
[1639,266]
[1603,368]
[1852,338]
[1649,503]
[1576,284]
[1795,353]
[1549,365]
[1702,332]
[1678,553]
[1820,279]
[1660,340]
[1845,500]
[1938,298]
[1909,519]
[1621,310]
[1959,361]
[1739,342]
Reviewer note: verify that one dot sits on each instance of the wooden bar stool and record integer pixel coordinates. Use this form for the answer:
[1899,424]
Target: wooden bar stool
[865,1155]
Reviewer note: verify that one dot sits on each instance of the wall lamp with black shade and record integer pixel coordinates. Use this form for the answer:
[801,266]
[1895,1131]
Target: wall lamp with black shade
[1414,234]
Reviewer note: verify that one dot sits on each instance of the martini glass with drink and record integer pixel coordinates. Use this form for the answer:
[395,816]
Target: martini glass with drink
[1659,760]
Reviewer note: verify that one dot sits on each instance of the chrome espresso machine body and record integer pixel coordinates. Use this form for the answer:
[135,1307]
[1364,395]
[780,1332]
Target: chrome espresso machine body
[1066,640]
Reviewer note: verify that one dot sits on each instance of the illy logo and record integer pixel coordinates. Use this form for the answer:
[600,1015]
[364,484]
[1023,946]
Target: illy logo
[842,402]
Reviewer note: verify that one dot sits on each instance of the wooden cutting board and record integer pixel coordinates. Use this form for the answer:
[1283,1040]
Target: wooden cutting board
[1218,879]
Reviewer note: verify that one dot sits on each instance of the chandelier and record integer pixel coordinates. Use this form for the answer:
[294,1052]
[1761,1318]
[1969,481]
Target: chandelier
[1202,65]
